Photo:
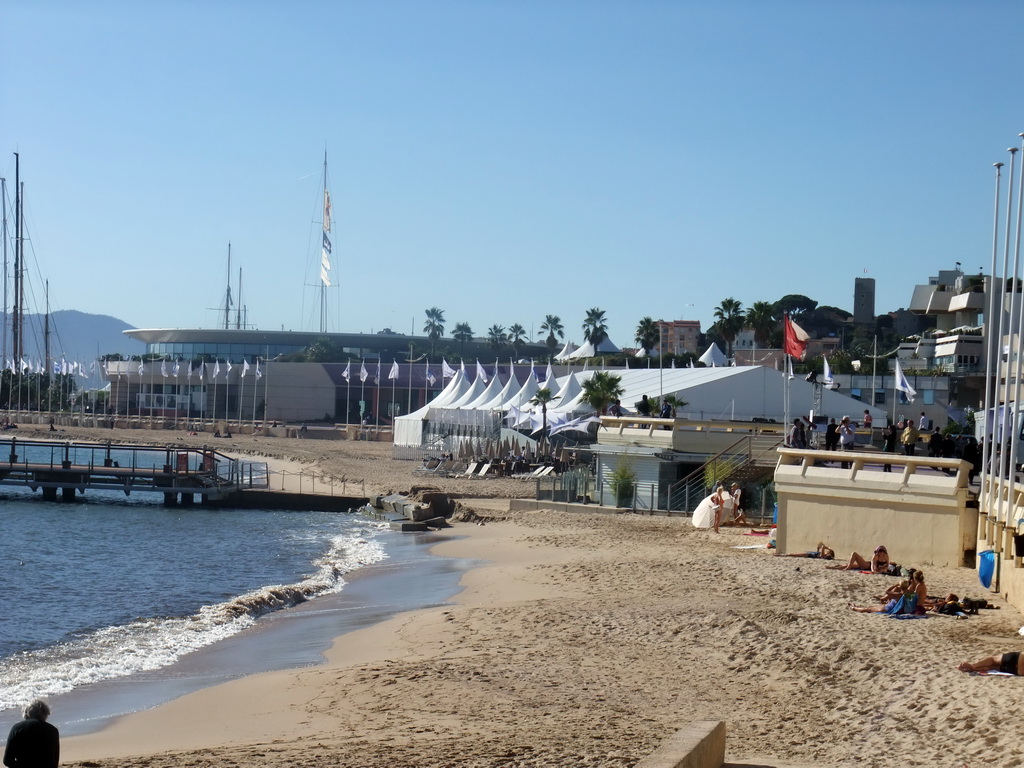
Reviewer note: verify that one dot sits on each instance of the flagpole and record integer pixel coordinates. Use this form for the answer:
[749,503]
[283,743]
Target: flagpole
[255,390]
[241,393]
[266,387]
[991,346]
[1014,329]
[1001,371]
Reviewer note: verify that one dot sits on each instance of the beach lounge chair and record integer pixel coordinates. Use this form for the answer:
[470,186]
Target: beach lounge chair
[470,470]
[484,469]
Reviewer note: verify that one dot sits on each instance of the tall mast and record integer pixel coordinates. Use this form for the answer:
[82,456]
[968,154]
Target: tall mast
[227,294]
[238,313]
[3,331]
[46,330]
[16,340]
[325,253]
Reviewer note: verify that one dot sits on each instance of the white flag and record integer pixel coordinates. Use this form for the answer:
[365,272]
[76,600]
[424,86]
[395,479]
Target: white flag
[189,374]
[142,367]
[903,385]
[480,372]
[363,375]
[245,368]
[216,369]
[163,368]
[176,368]
[393,374]
[826,377]
[202,370]
[429,376]
[259,373]
[446,370]
[789,367]
[376,379]
[228,373]
[347,373]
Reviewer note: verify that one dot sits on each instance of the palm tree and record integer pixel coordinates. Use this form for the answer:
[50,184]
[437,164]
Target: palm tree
[542,397]
[648,334]
[516,337]
[602,389]
[761,320]
[497,337]
[434,327]
[462,333]
[595,327]
[730,319]
[553,325]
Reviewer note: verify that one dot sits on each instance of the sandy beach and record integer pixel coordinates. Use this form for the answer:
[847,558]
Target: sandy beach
[585,640]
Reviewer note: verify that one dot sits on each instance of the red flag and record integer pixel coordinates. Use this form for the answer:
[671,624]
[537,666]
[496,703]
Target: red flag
[796,338]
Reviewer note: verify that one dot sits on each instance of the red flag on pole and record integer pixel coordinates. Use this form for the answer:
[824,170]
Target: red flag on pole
[796,338]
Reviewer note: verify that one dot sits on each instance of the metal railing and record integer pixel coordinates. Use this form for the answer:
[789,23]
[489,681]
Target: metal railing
[760,450]
[313,483]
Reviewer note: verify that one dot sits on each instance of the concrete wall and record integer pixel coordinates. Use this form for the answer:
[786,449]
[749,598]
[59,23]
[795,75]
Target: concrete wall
[299,392]
[920,515]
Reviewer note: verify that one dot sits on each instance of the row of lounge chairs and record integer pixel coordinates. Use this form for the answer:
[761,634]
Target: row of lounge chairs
[456,468]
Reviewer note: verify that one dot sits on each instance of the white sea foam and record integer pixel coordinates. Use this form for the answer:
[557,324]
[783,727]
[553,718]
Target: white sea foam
[148,644]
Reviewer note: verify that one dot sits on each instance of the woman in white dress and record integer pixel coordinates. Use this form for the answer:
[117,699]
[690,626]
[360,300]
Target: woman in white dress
[708,513]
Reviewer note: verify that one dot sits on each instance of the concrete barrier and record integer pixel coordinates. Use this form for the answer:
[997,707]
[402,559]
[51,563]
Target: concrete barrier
[699,745]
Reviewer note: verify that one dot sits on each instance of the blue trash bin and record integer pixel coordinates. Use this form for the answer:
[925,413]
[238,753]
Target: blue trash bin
[986,567]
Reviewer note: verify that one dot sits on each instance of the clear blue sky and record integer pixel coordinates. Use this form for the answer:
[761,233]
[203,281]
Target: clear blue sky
[503,160]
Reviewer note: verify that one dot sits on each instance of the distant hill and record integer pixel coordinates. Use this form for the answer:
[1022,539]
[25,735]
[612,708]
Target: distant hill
[78,336]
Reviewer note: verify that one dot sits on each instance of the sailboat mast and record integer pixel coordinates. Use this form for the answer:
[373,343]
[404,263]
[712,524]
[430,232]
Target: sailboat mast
[238,314]
[3,331]
[227,293]
[16,318]
[325,261]
[46,330]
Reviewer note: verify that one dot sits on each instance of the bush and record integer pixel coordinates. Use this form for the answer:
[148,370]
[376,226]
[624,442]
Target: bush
[622,482]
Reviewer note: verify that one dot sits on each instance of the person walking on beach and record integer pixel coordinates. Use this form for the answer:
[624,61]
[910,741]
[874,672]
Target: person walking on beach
[33,742]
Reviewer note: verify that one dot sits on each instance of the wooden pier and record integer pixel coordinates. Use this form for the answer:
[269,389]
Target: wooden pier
[183,475]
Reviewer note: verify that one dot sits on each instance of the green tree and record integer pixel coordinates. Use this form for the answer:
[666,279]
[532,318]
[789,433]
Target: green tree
[648,333]
[595,327]
[542,397]
[517,337]
[497,337]
[462,333]
[729,319]
[324,350]
[552,325]
[762,321]
[795,305]
[602,389]
[434,326]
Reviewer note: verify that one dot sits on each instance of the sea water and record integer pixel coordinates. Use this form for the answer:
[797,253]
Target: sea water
[111,591]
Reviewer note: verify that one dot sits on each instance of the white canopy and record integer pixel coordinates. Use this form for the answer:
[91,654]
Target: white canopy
[714,357]
[567,350]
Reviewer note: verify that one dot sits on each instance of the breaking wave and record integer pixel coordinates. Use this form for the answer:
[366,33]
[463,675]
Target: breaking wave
[148,644]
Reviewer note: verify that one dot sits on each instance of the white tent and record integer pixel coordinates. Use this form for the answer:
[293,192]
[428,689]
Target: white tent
[510,388]
[714,357]
[523,396]
[491,391]
[567,350]
[471,394]
[408,429]
[569,396]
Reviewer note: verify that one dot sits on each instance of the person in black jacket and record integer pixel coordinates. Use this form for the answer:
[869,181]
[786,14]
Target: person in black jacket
[33,742]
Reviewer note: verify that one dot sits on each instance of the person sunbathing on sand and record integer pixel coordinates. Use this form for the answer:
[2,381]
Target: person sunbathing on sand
[823,552]
[1003,662]
[879,563]
[900,591]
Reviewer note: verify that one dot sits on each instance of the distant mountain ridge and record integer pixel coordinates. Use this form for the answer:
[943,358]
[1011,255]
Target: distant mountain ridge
[77,336]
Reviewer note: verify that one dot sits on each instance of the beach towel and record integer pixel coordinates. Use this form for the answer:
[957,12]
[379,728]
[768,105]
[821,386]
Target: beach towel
[904,606]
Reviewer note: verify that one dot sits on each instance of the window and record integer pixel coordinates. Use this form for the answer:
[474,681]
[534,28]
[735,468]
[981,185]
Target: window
[879,397]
